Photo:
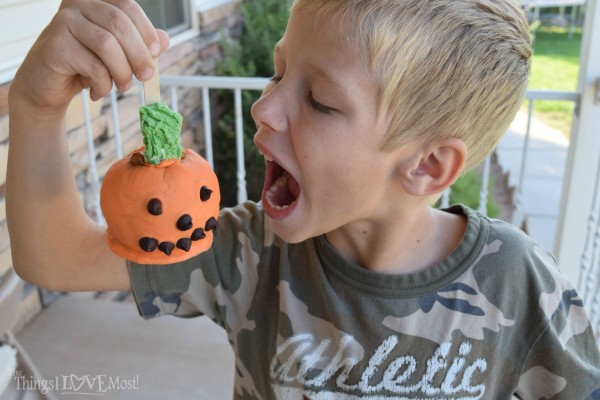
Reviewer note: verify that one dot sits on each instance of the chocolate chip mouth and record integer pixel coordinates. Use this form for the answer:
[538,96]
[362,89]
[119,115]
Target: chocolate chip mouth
[149,244]
[281,189]
[184,224]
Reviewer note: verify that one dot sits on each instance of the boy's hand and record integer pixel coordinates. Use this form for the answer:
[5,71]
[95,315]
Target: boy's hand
[88,44]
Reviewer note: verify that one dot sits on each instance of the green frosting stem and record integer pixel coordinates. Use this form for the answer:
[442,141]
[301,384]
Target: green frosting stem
[161,128]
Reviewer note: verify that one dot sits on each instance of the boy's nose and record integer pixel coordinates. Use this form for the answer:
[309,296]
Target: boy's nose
[269,111]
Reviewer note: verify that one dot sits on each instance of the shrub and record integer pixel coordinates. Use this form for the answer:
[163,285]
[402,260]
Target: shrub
[466,191]
[264,25]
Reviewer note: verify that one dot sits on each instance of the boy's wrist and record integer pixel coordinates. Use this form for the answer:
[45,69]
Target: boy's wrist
[23,103]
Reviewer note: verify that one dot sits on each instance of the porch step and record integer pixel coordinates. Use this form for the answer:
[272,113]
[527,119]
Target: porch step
[162,358]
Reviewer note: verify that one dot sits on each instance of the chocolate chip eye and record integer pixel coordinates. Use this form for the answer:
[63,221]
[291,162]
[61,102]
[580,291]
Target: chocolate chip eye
[184,223]
[198,234]
[184,244]
[210,224]
[155,207]
[148,244]
[166,247]
[205,193]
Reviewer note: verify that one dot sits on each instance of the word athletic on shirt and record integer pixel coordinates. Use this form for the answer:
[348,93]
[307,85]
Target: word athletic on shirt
[303,361]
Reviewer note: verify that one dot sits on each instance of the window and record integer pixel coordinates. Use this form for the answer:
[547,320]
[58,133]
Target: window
[172,16]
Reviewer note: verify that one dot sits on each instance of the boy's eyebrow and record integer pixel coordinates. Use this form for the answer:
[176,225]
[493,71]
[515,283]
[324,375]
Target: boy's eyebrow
[343,88]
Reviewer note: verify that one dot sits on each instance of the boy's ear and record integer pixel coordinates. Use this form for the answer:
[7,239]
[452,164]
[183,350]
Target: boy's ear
[436,168]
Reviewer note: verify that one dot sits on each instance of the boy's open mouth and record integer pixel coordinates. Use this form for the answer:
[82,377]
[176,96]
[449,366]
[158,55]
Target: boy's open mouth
[281,190]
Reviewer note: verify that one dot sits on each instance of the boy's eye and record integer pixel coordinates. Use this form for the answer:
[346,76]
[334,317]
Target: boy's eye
[319,107]
[314,103]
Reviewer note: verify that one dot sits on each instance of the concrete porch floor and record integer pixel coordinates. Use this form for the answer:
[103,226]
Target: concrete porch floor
[108,342]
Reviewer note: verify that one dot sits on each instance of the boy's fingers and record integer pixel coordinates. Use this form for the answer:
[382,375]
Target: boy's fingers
[163,38]
[92,73]
[106,47]
[117,30]
[70,67]
[139,18]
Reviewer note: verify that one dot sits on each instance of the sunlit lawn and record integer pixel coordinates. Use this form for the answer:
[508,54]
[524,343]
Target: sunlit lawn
[555,66]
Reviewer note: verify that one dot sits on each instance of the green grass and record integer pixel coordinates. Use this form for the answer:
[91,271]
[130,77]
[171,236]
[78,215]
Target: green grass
[466,191]
[555,66]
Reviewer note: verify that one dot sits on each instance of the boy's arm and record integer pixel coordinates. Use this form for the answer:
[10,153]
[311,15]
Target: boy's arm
[88,44]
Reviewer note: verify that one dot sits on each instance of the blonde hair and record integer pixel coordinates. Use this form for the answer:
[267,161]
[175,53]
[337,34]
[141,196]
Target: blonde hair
[446,68]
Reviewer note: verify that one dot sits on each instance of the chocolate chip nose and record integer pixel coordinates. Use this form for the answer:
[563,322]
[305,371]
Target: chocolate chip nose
[154,207]
[184,223]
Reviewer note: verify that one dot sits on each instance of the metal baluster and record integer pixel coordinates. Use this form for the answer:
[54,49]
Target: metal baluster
[485,179]
[114,107]
[446,198]
[207,126]
[174,99]
[93,168]
[239,139]
[572,22]
[141,92]
[519,214]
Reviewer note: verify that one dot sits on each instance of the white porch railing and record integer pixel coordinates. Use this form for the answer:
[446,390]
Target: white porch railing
[589,284]
[532,96]
[205,83]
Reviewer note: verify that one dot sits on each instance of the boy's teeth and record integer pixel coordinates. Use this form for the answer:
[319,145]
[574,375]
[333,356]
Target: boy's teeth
[281,181]
[275,206]
[267,157]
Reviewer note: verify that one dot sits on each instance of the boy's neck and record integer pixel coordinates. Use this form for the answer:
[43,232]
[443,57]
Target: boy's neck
[401,244]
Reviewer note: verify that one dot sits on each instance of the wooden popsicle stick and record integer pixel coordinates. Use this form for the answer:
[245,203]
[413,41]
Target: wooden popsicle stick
[152,86]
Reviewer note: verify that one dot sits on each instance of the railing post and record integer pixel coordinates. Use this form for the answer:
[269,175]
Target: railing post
[519,215]
[93,169]
[114,108]
[445,201]
[207,126]
[174,99]
[239,140]
[485,180]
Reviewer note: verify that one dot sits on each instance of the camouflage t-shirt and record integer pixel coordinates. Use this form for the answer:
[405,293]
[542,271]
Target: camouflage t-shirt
[495,318]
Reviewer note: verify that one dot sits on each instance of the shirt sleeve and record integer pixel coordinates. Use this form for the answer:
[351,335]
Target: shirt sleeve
[219,283]
[564,361]
[556,372]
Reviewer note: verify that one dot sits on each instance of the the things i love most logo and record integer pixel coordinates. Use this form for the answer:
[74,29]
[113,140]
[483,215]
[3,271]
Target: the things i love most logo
[99,384]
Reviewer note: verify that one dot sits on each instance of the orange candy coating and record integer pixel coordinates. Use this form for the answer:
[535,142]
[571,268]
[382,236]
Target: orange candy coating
[174,189]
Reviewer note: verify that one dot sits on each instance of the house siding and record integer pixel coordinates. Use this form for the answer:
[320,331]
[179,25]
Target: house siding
[20,24]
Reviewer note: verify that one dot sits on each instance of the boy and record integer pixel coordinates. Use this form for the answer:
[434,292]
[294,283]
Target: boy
[344,283]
